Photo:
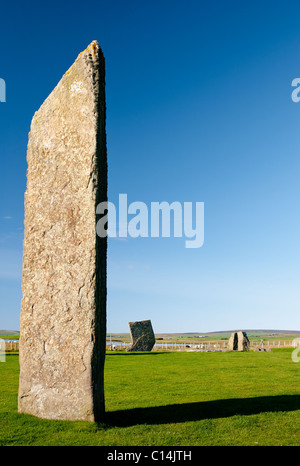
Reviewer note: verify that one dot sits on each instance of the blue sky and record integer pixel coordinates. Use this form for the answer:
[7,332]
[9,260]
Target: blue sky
[199,108]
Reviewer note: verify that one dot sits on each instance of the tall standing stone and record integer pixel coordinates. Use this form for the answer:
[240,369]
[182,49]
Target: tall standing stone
[63,310]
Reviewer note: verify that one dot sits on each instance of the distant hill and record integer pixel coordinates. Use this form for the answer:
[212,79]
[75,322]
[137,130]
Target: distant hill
[263,331]
[226,333]
[216,333]
[9,332]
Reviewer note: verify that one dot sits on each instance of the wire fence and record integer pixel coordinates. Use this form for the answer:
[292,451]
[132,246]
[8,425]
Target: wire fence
[209,346]
[7,346]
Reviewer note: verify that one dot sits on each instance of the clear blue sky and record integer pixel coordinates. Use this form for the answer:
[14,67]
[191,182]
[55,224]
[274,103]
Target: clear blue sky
[199,108]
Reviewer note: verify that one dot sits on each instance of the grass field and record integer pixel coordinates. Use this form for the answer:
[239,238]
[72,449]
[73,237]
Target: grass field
[174,399]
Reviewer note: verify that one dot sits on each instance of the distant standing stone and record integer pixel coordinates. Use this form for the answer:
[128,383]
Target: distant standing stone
[63,310]
[238,342]
[142,336]
[233,342]
[243,341]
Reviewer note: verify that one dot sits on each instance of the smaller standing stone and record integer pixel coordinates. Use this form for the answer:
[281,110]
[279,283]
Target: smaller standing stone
[243,342]
[232,342]
[238,342]
[142,336]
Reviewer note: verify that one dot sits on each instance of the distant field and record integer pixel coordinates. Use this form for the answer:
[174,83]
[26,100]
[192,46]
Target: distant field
[216,337]
[253,335]
[174,399]
[9,334]
[9,337]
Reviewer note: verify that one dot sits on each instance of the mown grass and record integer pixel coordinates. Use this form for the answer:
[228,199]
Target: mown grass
[174,399]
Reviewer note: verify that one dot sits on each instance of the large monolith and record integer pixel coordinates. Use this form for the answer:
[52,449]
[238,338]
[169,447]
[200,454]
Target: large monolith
[63,310]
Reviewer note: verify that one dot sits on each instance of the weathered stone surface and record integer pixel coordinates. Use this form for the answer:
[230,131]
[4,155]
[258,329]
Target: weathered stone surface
[142,336]
[243,341]
[63,310]
[233,342]
[238,342]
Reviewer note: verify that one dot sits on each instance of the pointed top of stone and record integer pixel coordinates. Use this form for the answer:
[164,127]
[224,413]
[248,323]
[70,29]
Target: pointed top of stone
[94,50]
[92,54]
[78,87]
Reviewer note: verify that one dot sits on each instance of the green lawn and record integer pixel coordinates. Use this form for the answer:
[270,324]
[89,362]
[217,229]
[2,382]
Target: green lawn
[174,399]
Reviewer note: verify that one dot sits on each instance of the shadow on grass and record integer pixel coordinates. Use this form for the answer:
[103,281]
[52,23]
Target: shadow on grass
[136,354]
[203,410]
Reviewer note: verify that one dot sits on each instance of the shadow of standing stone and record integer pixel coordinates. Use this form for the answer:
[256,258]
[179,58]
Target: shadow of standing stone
[142,336]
